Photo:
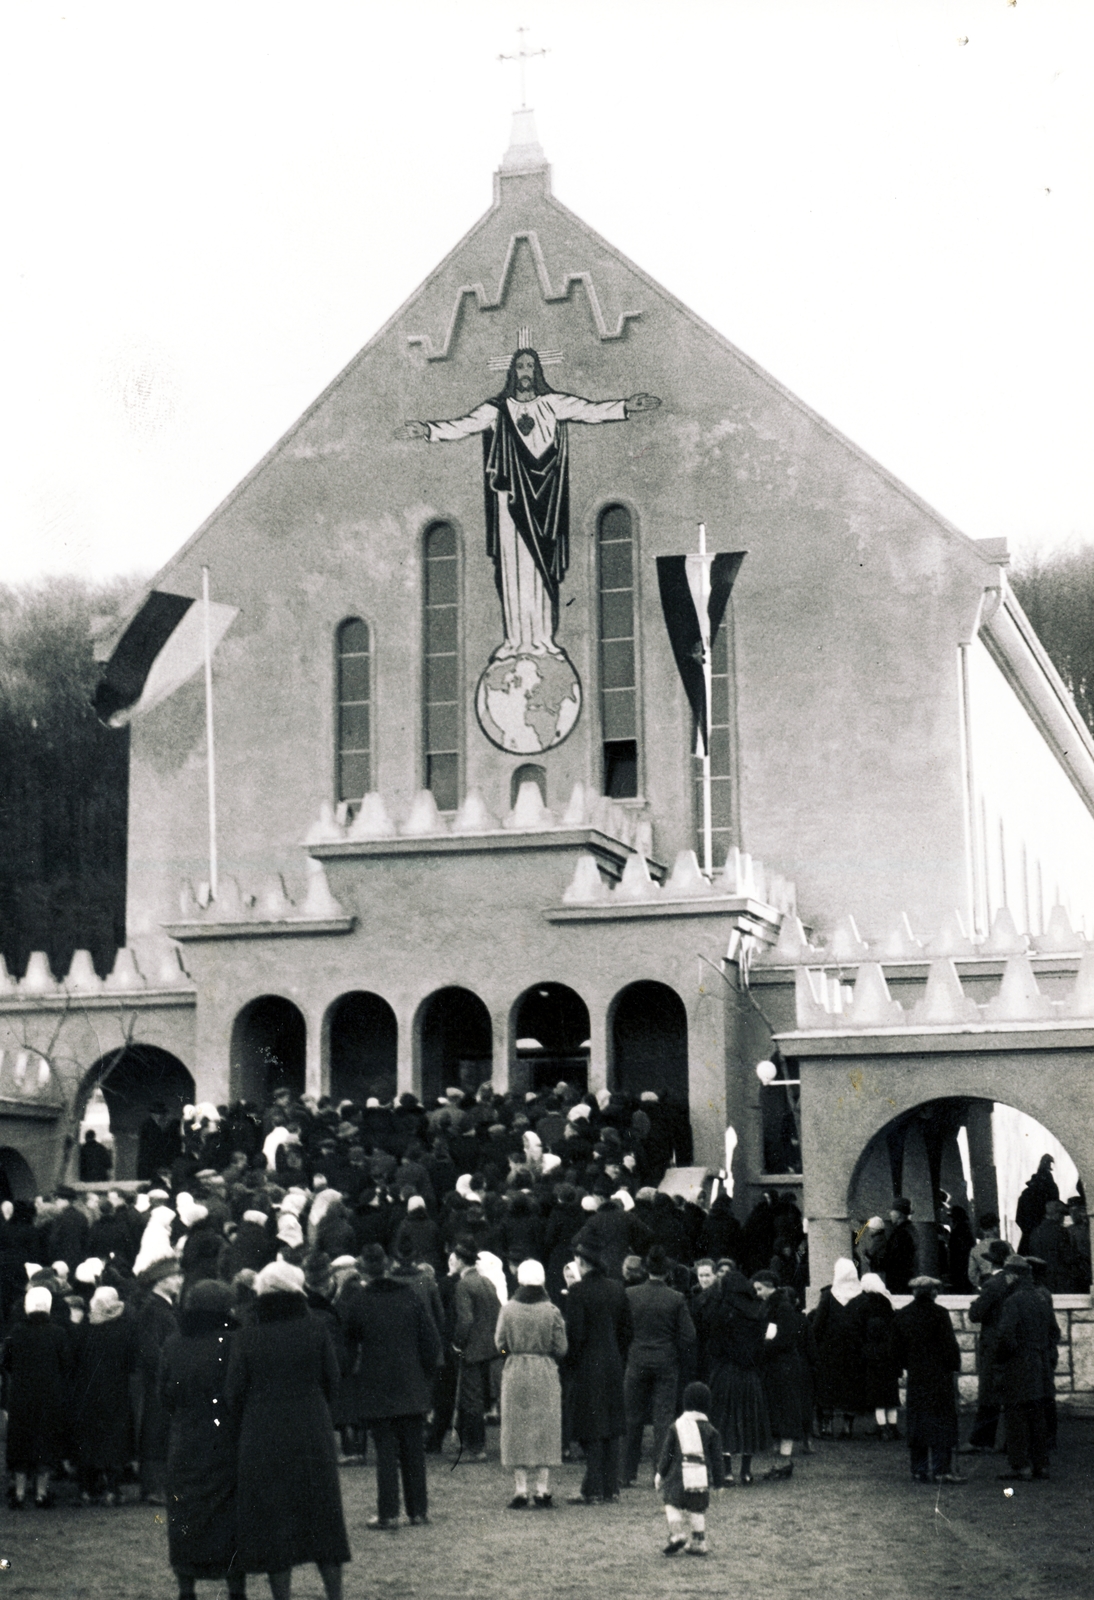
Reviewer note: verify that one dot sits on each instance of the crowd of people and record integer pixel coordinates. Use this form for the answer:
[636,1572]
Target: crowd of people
[298,1283]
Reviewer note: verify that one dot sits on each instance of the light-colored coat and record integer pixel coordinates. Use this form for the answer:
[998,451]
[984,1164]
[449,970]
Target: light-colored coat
[533,1336]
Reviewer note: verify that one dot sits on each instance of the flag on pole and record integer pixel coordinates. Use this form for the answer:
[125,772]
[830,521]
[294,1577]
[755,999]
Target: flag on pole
[693,627]
[159,651]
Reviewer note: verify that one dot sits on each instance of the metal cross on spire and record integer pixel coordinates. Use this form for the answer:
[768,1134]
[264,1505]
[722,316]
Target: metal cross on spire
[522,55]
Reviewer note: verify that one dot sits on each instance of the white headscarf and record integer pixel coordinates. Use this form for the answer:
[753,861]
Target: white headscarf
[845,1284]
[872,1284]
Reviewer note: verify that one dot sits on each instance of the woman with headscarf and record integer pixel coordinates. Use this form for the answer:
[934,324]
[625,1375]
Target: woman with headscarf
[873,1310]
[735,1327]
[532,1336]
[106,1356]
[37,1363]
[836,1332]
[282,1378]
[201,1457]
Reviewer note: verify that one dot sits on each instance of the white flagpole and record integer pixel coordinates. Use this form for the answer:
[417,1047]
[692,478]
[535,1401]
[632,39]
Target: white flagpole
[708,680]
[209,736]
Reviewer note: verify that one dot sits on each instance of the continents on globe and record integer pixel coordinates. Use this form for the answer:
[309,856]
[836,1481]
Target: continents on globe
[528,703]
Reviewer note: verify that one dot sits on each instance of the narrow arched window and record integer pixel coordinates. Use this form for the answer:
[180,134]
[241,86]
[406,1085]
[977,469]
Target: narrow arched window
[441,731]
[529,773]
[618,681]
[354,710]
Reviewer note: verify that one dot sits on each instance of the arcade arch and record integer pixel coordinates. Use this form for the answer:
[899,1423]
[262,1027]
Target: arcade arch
[362,1047]
[977,1152]
[269,1040]
[455,1043]
[16,1177]
[145,1089]
[551,1038]
[649,1038]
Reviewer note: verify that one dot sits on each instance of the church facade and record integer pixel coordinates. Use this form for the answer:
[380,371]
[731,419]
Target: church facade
[459,808]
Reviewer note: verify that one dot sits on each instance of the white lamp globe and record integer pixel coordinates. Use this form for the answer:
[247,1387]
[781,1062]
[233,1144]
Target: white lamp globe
[766,1071]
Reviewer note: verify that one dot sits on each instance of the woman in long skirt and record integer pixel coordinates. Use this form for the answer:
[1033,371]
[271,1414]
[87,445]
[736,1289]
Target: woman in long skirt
[282,1378]
[736,1328]
[201,1457]
[532,1335]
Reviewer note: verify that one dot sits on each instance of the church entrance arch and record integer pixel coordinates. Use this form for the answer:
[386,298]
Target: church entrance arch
[362,1047]
[269,1040]
[16,1178]
[551,1034]
[649,1034]
[957,1158]
[455,1043]
[144,1089]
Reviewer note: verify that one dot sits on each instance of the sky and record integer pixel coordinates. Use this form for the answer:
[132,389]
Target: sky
[209,208]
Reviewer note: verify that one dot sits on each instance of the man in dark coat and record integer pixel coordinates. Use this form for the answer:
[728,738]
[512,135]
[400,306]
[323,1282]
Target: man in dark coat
[68,1233]
[95,1159]
[607,1234]
[899,1255]
[1051,1242]
[477,1309]
[662,1349]
[986,1310]
[1033,1201]
[399,1347]
[1028,1335]
[925,1346]
[598,1334]
[156,1323]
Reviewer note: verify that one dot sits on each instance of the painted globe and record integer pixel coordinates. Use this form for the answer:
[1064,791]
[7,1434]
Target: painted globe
[528,703]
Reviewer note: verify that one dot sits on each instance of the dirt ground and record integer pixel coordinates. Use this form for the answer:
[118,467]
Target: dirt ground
[850,1520]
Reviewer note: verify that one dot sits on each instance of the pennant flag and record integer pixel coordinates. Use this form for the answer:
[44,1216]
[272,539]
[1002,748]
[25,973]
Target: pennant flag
[693,627]
[162,647]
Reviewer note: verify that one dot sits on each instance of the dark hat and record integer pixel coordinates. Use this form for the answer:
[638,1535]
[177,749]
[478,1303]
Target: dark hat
[899,1203]
[467,1251]
[697,1397]
[586,1253]
[767,1278]
[1017,1264]
[997,1252]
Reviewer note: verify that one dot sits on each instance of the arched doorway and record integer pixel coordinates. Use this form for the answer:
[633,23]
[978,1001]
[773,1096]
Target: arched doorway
[362,1045]
[269,1040]
[16,1177]
[455,1043]
[144,1089]
[551,1033]
[650,1041]
[953,1155]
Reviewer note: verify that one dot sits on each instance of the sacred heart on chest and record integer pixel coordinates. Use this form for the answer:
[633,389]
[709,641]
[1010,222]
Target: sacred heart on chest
[525,424]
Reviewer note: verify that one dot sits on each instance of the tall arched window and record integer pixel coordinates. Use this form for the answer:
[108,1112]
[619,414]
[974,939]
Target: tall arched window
[442,709]
[354,710]
[618,682]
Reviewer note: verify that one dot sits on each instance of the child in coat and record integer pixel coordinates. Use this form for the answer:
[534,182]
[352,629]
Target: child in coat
[690,1465]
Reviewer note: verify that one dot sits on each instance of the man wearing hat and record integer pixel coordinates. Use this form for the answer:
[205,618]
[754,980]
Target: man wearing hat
[1026,1348]
[985,1311]
[899,1256]
[598,1334]
[476,1309]
[925,1346]
[156,1322]
[394,1339]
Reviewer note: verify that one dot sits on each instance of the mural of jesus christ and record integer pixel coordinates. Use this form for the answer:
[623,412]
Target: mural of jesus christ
[527,484]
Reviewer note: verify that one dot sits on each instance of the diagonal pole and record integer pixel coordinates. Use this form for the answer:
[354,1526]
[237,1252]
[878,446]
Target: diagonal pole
[209,736]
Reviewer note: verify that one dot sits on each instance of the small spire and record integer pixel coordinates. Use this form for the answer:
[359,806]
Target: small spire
[525,153]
